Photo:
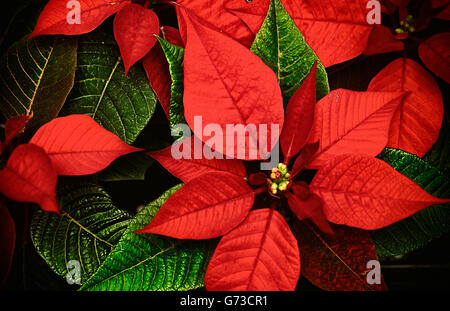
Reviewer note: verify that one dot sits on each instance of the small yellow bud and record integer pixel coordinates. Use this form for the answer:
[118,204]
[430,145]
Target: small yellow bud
[282,166]
[282,186]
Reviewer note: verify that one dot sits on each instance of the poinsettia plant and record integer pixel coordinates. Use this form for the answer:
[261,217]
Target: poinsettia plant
[308,137]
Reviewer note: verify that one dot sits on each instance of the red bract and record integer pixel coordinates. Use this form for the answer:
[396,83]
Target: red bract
[216,14]
[345,253]
[444,5]
[353,122]
[365,192]
[13,127]
[77,145]
[157,68]
[207,207]
[232,86]
[30,177]
[416,124]
[172,35]
[305,157]
[192,166]
[382,40]
[300,110]
[307,205]
[435,54]
[54,18]
[337,30]
[134,30]
[259,254]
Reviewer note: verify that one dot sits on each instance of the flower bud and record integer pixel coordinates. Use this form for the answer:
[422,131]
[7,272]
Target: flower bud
[283,186]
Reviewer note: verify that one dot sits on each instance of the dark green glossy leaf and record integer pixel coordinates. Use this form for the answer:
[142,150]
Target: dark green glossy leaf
[428,224]
[87,229]
[36,76]
[122,105]
[147,262]
[129,167]
[281,45]
[175,58]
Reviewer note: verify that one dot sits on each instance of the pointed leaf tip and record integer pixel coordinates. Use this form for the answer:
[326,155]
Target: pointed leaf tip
[204,208]
[134,30]
[78,145]
[365,192]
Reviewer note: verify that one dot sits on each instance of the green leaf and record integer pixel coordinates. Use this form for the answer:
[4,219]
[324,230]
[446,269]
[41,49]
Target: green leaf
[87,229]
[428,224]
[281,45]
[36,76]
[439,154]
[146,262]
[175,58]
[129,167]
[122,105]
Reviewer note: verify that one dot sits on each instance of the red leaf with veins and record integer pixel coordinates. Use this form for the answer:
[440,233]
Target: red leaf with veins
[261,254]
[54,18]
[30,177]
[172,35]
[365,192]
[336,262]
[304,158]
[206,207]
[337,30]
[7,242]
[435,54]
[382,40]
[299,117]
[188,167]
[307,205]
[14,126]
[444,5]
[215,13]
[157,69]
[232,86]
[77,145]
[416,124]
[352,122]
[134,30]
